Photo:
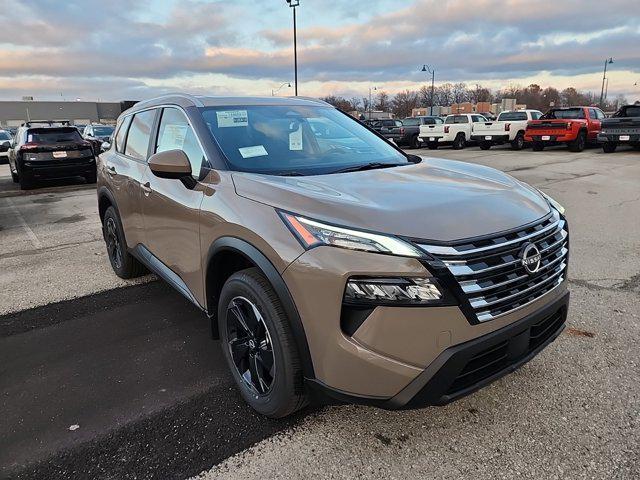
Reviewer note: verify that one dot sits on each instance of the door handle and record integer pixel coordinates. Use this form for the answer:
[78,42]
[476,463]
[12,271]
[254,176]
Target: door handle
[146,188]
[111,170]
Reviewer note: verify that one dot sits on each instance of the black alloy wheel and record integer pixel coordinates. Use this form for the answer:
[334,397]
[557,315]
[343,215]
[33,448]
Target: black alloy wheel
[518,142]
[114,248]
[250,346]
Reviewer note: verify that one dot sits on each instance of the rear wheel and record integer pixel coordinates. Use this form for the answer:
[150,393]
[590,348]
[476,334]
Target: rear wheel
[415,142]
[25,183]
[14,175]
[537,146]
[518,142]
[258,344]
[459,142]
[609,147]
[485,145]
[579,143]
[123,263]
[432,145]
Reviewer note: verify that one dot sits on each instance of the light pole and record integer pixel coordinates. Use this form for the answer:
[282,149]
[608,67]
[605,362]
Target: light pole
[604,76]
[427,68]
[374,88]
[293,4]
[273,92]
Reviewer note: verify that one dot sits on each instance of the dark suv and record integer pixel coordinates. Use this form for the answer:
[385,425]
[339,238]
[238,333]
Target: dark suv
[44,150]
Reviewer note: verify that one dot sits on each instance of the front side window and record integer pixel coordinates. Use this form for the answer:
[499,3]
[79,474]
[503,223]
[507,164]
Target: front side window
[137,144]
[175,133]
[296,140]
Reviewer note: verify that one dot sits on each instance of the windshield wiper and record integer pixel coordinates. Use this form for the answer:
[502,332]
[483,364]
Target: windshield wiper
[367,166]
[292,173]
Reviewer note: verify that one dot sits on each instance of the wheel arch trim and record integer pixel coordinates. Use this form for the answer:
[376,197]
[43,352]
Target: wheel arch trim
[260,260]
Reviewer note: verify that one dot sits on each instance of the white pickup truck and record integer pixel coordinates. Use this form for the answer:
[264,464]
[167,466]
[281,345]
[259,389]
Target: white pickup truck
[509,127]
[455,131]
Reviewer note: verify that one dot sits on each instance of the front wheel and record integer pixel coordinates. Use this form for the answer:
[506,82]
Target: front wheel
[609,147]
[258,344]
[459,142]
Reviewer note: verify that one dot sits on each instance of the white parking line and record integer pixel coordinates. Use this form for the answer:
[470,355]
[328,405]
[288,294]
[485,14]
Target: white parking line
[27,229]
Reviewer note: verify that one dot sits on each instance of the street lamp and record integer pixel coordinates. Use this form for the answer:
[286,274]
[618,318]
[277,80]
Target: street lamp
[427,68]
[374,88]
[273,92]
[604,76]
[293,4]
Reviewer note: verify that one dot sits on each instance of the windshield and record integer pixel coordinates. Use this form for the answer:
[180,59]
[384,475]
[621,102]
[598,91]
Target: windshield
[295,140]
[102,131]
[630,111]
[566,113]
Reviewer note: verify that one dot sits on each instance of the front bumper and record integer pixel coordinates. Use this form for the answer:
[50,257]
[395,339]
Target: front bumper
[393,347]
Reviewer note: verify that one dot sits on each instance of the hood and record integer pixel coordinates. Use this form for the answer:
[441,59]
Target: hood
[437,199]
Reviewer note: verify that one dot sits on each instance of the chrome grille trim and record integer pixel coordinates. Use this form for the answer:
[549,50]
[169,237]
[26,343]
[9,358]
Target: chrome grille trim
[447,250]
[493,278]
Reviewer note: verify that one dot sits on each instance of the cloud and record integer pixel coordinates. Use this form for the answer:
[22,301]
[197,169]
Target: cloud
[118,44]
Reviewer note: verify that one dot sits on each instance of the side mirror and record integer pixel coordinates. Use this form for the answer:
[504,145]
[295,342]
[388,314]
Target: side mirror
[172,164]
[4,146]
[105,146]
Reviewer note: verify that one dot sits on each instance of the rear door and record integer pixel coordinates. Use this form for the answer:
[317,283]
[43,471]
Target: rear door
[171,208]
[125,166]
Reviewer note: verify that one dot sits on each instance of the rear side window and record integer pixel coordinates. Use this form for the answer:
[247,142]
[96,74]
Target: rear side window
[53,135]
[122,132]
[512,116]
[176,134]
[137,144]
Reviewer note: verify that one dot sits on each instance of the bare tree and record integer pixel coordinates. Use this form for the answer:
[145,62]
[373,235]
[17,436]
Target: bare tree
[382,101]
[355,103]
[444,94]
[404,102]
[460,92]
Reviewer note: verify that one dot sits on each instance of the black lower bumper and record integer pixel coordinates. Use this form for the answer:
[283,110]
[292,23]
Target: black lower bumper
[615,138]
[462,369]
[493,139]
[41,170]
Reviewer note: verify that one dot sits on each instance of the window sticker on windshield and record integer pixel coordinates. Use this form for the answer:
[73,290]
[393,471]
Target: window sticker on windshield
[255,151]
[172,137]
[295,139]
[232,118]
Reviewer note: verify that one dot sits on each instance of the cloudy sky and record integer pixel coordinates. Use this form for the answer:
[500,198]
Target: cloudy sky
[134,49]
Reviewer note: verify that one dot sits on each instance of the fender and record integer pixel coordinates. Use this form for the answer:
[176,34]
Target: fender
[262,262]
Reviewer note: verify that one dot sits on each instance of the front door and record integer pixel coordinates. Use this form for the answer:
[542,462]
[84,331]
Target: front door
[171,208]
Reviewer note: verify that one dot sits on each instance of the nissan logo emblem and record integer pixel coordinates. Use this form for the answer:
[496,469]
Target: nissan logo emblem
[530,257]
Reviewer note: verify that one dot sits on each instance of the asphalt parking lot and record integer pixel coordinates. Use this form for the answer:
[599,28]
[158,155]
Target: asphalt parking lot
[135,370]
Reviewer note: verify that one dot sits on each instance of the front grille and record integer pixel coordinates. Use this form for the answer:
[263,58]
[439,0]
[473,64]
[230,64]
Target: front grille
[496,358]
[491,274]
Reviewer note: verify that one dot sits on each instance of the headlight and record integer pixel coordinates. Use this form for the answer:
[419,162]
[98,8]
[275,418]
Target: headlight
[392,291]
[311,233]
[553,203]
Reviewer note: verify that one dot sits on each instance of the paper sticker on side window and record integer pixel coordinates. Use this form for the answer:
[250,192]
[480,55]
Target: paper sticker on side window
[172,137]
[232,118]
[255,151]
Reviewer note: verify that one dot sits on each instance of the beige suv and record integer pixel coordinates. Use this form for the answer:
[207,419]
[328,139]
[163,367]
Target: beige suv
[333,266]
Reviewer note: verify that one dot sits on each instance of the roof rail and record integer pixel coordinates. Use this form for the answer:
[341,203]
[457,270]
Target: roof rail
[51,123]
[186,96]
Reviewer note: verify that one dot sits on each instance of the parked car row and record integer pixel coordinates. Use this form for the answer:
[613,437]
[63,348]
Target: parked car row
[575,127]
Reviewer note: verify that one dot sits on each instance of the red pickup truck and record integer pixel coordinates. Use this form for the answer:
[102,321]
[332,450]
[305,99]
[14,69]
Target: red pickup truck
[575,126]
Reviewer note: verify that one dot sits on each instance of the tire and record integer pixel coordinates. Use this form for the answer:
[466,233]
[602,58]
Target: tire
[271,348]
[537,146]
[123,263]
[518,142]
[415,142]
[609,147]
[485,146]
[25,183]
[14,175]
[579,143]
[459,142]
[432,145]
